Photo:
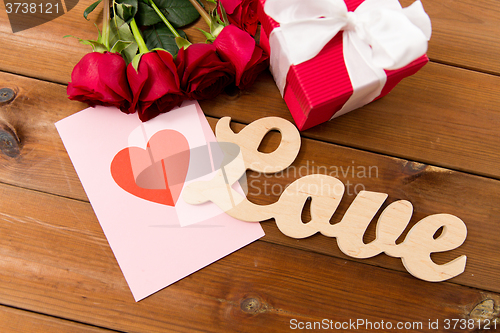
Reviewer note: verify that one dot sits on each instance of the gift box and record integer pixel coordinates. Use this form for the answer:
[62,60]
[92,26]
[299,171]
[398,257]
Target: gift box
[365,49]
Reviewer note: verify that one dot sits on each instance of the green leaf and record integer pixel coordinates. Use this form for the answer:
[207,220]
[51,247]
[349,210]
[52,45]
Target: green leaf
[120,35]
[182,42]
[99,35]
[120,46]
[159,36]
[129,52]
[146,15]
[90,9]
[208,35]
[178,12]
[126,9]
[96,46]
[119,30]
[224,20]
[136,60]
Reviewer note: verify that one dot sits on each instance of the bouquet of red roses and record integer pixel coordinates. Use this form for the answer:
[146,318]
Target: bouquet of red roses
[142,63]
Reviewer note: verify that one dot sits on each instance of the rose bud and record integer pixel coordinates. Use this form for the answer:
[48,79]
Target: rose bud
[155,85]
[202,73]
[100,79]
[239,48]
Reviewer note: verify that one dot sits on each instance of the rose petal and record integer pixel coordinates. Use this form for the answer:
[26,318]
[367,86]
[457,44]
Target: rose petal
[258,63]
[195,55]
[99,79]
[155,85]
[203,74]
[242,13]
[85,73]
[168,60]
[230,5]
[236,46]
[112,72]
[137,80]
[160,79]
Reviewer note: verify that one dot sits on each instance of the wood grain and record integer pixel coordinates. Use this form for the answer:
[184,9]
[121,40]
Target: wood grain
[464,34]
[442,115]
[433,141]
[44,52]
[430,189]
[14,321]
[325,193]
[55,260]
[456,27]
[43,165]
[428,129]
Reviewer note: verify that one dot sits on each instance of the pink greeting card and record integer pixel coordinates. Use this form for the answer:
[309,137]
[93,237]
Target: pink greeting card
[134,174]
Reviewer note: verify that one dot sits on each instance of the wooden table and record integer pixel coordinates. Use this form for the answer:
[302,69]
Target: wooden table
[433,141]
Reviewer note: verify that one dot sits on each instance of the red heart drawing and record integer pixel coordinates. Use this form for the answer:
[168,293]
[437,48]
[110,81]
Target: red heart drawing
[156,173]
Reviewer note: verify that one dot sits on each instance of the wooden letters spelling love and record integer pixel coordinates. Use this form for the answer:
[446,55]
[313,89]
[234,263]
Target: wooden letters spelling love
[326,193]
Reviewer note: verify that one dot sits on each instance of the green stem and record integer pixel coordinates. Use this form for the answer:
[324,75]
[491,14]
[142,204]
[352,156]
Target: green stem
[202,12]
[164,19]
[138,37]
[105,24]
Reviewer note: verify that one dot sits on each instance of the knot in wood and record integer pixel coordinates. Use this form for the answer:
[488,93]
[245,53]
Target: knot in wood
[10,144]
[250,305]
[486,310]
[413,171]
[6,95]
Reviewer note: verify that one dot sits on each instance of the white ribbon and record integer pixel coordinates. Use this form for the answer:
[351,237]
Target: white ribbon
[378,35]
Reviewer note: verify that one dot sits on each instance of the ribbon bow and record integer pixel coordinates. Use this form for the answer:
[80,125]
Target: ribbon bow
[378,35]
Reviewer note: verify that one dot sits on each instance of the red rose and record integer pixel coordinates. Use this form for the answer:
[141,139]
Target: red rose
[239,48]
[203,74]
[100,79]
[242,13]
[155,85]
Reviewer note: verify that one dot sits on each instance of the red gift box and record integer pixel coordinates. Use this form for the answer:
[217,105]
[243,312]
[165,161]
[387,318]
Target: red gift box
[318,88]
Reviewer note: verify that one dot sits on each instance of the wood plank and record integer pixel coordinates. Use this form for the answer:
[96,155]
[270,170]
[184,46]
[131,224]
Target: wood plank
[443,116]
[43,165]
[463,35]
[32,114]
[453,125]
[55,260]
[44,51]
[14,321]
[399,125]
[430,189]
